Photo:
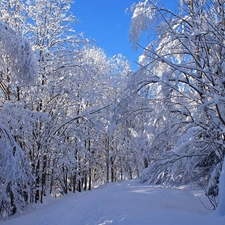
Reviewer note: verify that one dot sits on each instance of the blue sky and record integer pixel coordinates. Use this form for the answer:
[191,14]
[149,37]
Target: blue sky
[106,22]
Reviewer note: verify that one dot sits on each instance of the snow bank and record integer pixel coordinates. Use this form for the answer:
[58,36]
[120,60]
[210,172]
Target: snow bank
[221,206]
[126,203]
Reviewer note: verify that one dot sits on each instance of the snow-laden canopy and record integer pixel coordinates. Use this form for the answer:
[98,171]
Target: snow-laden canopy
[16,57]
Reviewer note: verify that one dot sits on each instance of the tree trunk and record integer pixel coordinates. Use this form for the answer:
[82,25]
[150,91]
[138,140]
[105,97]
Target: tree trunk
[74,183]
[90,179]
[37,195]
[13,207]
[107,160]
[112,169]
[85,182]
[43,179]
[79,185]
[145,162]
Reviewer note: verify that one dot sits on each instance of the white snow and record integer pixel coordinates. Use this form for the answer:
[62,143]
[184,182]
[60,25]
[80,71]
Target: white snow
[126,203]
[221,206]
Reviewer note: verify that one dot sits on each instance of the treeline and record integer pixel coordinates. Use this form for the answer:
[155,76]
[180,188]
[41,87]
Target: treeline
[183,76]
[60,130]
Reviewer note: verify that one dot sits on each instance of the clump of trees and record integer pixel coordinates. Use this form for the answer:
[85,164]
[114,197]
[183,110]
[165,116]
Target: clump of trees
[182,69]
[59,92]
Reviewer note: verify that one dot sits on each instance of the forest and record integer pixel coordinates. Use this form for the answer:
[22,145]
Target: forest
[71,117]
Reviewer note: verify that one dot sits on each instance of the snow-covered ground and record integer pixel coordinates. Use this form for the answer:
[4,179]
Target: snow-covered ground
[125,203]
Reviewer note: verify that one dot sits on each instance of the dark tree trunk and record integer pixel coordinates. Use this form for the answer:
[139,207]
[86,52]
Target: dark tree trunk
[43,179]
[112,169]
[37,195]
[90,180]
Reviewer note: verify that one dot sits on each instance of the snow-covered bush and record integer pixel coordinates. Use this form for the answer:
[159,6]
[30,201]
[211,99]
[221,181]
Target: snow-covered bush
[15,175]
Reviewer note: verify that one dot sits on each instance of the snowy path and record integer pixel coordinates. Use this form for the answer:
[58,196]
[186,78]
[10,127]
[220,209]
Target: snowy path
[125,203]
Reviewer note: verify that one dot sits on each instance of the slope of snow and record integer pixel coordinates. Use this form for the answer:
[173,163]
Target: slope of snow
[125,203]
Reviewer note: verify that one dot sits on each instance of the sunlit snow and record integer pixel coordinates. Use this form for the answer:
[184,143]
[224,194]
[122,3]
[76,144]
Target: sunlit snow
[125,203]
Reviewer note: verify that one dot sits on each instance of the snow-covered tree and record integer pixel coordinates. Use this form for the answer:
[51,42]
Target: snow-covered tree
[17,61]
[15,175]
[186,61]
[66,122]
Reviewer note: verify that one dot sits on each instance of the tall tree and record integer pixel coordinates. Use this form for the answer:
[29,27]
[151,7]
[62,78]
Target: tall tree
[15,172]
